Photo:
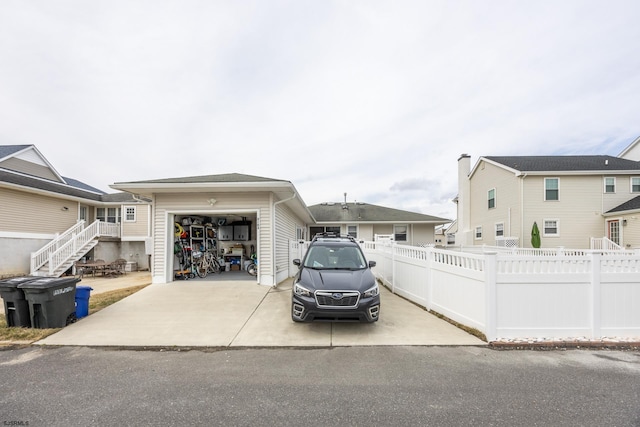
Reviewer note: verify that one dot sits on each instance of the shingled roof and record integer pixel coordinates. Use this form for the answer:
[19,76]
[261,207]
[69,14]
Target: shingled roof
[222,178]
[565,163]
[364,212]
[630,205]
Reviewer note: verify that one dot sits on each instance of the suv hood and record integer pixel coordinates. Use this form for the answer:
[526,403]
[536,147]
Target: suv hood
[352,280]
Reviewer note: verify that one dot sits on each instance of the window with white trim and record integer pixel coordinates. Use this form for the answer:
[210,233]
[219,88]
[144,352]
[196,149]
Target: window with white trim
[130,214]
[551,189]
[500,229]
[635,184]
[491,198]
[108,215]
[400,233]
[551,228]
[478,233]
[609,184]
[352,230]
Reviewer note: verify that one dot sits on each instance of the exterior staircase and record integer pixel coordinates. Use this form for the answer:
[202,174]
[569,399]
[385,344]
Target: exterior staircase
[62,252]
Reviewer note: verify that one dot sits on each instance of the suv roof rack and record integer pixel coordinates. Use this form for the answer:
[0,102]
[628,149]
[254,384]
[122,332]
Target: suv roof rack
[333,236]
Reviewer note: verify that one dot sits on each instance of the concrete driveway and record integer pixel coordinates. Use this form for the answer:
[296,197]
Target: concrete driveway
[243,314]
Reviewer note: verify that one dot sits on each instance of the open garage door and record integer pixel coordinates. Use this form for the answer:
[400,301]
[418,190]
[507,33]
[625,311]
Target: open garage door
[228,240]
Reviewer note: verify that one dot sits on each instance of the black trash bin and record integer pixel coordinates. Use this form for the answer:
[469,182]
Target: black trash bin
[52,302]
[16,307]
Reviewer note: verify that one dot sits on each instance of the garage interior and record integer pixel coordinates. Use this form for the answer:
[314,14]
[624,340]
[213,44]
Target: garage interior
[230,238]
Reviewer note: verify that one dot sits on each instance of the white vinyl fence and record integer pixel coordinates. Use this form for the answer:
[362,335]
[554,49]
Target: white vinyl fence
[544,295]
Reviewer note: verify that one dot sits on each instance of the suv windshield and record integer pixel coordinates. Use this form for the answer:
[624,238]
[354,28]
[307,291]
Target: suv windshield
[334,257]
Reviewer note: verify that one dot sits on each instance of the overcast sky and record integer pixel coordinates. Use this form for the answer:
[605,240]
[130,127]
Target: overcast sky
[377,99]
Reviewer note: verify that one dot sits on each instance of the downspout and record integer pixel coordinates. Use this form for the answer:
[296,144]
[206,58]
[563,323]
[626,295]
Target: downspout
[273,237]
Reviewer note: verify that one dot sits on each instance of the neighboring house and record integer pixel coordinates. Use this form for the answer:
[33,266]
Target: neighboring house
[365,222]
[38,205]
[572,199]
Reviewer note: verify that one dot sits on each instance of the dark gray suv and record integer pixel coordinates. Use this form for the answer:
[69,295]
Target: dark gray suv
[335,283]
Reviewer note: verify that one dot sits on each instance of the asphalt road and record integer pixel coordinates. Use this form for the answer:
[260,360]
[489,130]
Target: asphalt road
[368,386]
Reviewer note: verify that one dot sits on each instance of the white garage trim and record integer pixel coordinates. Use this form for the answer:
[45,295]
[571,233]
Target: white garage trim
[167,275]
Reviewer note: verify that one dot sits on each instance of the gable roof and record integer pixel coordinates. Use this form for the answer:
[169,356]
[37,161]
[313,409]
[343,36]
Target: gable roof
[24,167]
[364,212]
[284,191]
[79,190]
[569,164]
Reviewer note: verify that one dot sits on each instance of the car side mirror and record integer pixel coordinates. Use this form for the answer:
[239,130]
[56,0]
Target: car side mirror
[296,262]
[372,264]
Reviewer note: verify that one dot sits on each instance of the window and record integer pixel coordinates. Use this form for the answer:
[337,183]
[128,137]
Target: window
[635,184]
[84,213]
[491,197]
[478,233]
[108,215]
[551,228]
[320,230]
[552,188]
[500,229]
[352,230]
[609,184]
[130,214]
[400,233]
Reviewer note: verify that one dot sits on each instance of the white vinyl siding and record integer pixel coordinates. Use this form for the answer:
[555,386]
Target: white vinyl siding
[507,210]
[135,230]
[197,203]
[287,224]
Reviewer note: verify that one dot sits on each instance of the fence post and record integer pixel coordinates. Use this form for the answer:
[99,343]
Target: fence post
[596,295]
[429,278]
[393,267]
[490,262]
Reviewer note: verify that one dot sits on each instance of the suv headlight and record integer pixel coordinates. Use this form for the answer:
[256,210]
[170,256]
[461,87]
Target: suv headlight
[372,292]
[301,291]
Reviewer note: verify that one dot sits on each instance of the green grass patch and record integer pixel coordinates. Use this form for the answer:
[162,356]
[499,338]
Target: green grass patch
[97,302]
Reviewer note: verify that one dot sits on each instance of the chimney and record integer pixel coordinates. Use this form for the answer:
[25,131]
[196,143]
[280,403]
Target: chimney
[463,236]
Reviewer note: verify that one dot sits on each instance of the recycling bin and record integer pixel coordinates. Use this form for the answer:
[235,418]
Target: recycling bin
[51,301]
[16,306]
[83,293]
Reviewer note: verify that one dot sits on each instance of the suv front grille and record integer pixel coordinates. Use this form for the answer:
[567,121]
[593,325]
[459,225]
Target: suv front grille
[337,299]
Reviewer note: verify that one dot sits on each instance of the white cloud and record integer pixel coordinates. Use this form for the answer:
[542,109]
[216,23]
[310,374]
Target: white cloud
[371,98]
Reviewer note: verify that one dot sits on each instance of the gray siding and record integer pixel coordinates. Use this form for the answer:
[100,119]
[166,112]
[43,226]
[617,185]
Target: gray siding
[29,168]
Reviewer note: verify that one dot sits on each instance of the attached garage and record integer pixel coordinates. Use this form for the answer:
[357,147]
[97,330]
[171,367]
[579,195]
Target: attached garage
[241,211]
